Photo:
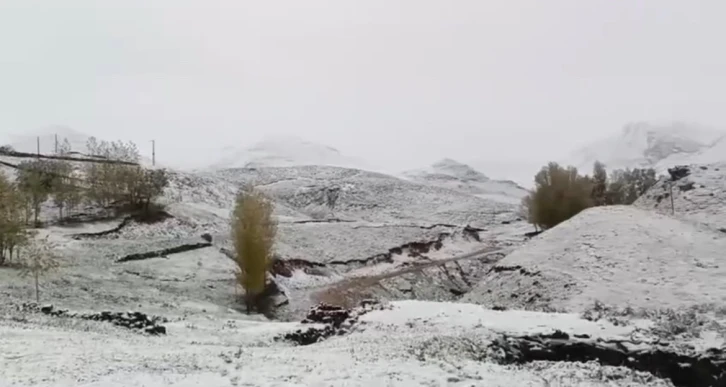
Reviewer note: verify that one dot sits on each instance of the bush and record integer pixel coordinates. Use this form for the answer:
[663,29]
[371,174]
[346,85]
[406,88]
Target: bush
[559,194]
[253,233]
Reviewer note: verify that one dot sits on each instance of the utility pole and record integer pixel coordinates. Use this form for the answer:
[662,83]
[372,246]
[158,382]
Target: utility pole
[673,207]
[56,143]
[153,153]
[37,143]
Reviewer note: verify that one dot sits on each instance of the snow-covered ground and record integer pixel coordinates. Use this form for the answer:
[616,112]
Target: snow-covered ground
[616,255]
[400,239]
[412,344]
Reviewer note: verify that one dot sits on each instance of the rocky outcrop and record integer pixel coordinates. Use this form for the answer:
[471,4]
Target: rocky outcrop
[678,172]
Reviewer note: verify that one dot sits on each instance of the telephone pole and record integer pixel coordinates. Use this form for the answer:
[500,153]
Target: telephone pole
[56,144]
[153,153]
[37,143]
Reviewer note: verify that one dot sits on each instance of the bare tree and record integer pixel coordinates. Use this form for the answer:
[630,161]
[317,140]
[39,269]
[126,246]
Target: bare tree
[64,148]
[38,259]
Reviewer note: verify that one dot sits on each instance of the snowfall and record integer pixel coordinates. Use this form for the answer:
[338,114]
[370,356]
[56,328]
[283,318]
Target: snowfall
[453,268]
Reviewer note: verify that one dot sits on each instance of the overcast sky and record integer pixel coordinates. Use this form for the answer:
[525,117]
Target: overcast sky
[400,82]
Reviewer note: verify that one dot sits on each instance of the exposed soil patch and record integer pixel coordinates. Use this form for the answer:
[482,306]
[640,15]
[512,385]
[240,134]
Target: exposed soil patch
[694,370]
[164,252]
[414,249]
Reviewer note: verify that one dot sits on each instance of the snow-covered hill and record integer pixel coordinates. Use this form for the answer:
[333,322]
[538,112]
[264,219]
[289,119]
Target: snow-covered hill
[284,151]
[457,176]
[616,255]
[343,230]
[646,145]
[699,197]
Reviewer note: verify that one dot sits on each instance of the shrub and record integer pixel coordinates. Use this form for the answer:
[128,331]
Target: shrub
[559,194]
[253,233]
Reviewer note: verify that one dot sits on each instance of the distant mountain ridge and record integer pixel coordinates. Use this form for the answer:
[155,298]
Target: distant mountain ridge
[649,145]
[451,174]
[285,151]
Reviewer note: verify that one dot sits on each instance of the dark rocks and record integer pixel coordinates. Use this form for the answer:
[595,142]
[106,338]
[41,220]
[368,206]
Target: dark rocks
[131,320]
[335,320]
[520,269]
[532,234]
[327,314]
[285,267]
[687,187]
[679,172]
[683,370]
[207,237]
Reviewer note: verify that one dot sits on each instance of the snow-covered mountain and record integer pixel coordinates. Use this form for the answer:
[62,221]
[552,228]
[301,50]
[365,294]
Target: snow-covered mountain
[451,174]
[285,151]
[649,145]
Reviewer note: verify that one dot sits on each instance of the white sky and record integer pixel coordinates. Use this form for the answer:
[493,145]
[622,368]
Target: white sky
[400,82]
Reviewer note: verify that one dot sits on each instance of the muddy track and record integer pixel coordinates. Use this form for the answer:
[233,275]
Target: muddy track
[360,283]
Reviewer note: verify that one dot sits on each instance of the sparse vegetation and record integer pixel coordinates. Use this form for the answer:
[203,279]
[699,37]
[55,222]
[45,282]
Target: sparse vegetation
[12,219]
[253,233]
[561,193]
[35,179]
[38,259]
[123,186]
[128,187]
